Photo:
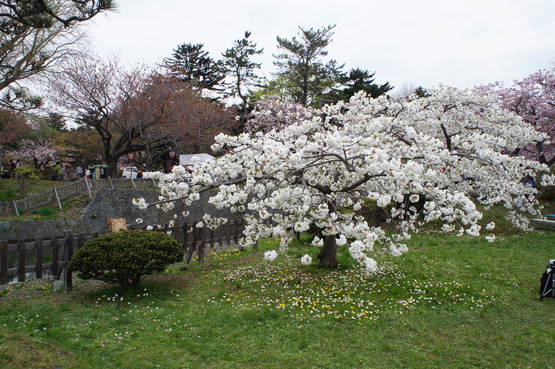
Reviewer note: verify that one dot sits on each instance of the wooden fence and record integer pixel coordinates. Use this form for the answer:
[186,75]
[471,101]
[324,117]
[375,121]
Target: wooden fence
[42,258]
[198,240]
[49,258]
[74,189]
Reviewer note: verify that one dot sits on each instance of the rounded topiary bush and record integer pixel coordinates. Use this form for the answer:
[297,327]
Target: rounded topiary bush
[125,257]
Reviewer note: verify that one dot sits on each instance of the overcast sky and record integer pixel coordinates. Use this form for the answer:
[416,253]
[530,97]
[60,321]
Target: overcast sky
[406,42]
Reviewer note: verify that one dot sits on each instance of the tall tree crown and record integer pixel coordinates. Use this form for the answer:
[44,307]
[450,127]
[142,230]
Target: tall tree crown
[300,65]
[192,64]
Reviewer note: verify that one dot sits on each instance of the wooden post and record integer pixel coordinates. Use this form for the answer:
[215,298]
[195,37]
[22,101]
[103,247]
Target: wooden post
[68,278]
[21,261]
[200,251]
[185,236]
[228,228]
[88,186]
[212,237]
[189,254]
[220,238]
[195,235]
[236,229]
[15,208]
[3,262]
[57,198]
[55,259]
[81,240]
[193,246]
[175,231]
[38,256]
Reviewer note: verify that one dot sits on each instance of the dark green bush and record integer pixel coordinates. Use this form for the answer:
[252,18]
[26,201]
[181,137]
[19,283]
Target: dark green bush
[546,193]
[125,257]
[46,210]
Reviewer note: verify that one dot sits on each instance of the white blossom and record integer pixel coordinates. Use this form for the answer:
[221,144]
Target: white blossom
[306,259]
[270,255]
[448,151]
[490,226]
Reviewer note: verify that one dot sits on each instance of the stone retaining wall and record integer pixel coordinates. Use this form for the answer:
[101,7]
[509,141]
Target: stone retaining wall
[31,229]
[110,204]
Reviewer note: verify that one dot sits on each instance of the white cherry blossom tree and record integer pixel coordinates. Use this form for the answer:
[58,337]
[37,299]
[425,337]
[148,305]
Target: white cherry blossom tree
[448,152]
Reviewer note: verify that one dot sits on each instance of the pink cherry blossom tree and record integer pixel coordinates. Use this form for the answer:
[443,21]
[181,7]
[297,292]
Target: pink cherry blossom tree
[532,98]
[39,152]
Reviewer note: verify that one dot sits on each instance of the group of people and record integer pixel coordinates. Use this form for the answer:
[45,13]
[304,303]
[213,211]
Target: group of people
[8,171]
[61,171]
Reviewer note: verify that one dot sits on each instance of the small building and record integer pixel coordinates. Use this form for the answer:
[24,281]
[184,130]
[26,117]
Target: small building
[192,159]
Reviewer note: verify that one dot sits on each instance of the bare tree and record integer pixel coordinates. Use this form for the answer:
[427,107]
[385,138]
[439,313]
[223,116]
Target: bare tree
[136,109]
[172,115]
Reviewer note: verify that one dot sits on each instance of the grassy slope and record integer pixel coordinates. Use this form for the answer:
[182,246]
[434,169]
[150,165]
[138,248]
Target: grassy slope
[9,191]
[450,301]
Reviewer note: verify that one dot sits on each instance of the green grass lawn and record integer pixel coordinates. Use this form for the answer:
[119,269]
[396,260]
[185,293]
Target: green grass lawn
[9,191]
[448,302]
[9,188]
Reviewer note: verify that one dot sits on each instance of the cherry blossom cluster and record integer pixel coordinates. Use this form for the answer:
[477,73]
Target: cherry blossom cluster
[274,114]
[38,151]
[533,99]
[429,159]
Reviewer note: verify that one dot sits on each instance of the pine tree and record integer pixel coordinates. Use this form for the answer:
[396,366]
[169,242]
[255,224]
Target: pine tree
[192,64]
[306,77]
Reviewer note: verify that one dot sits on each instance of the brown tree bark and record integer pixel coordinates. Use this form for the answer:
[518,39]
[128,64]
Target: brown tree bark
[328,254]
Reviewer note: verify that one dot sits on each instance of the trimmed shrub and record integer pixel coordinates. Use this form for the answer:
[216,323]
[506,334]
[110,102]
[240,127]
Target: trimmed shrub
[125,257]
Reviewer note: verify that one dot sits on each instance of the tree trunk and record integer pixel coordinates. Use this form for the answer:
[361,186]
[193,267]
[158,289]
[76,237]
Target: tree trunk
[328,255]
[112,170]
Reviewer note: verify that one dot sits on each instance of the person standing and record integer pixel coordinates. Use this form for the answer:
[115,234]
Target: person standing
[59,171]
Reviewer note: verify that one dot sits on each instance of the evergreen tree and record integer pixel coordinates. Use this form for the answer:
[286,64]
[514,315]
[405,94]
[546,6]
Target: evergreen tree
[305,76]
[56,121]
[16,16]
[239,66]
[362,80]
[355,81]
[191,63]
